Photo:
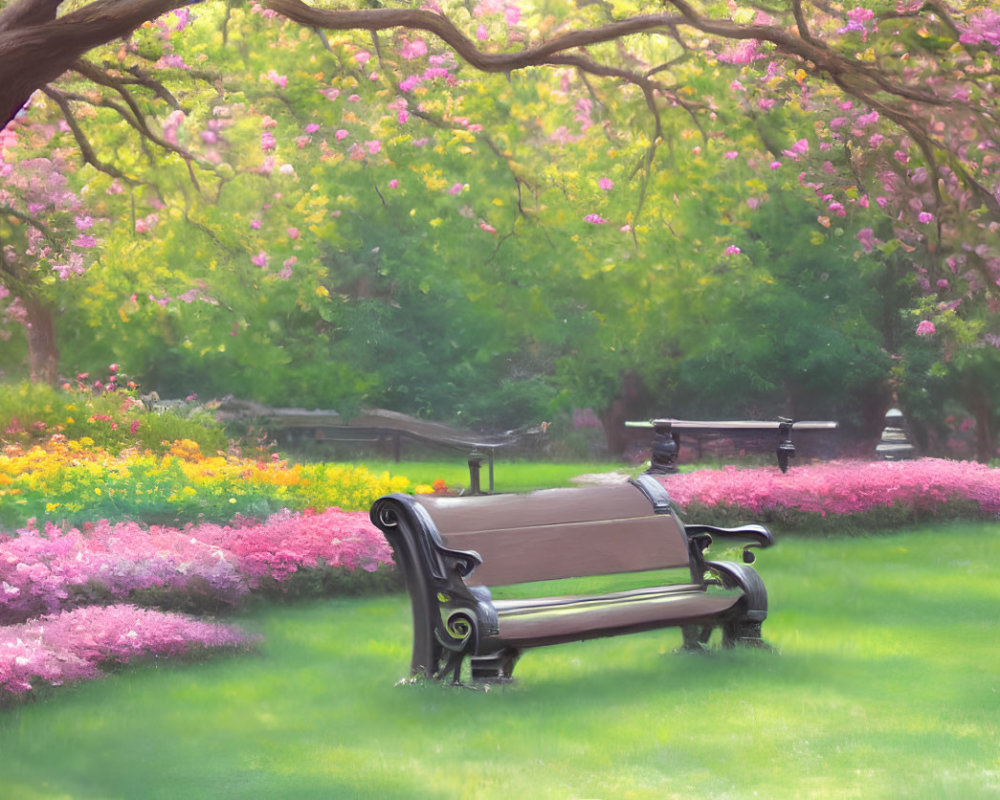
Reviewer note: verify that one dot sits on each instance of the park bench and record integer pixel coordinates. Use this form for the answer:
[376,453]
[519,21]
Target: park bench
[455,551]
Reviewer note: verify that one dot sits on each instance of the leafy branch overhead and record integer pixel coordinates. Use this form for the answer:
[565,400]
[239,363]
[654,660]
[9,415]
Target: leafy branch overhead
[585,189]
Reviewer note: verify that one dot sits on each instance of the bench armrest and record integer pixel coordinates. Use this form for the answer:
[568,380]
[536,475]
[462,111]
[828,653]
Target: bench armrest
[753,534]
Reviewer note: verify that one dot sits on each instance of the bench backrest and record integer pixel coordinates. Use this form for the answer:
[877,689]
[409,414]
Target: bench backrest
[562,533]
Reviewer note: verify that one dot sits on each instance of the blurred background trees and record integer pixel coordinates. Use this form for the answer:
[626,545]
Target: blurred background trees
[716,213]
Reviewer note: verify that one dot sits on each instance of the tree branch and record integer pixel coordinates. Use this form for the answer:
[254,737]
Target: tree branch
[36,47]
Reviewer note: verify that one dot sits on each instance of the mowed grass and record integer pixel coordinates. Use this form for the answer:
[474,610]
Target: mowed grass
[886,684]
[509,476]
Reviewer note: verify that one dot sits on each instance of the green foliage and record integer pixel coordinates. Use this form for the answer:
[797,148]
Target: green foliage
[348,220]
[110,420]
[799,327]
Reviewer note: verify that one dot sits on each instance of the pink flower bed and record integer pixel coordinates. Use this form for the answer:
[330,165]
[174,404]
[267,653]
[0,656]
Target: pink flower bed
[73,645]
[841,487]
[44,571]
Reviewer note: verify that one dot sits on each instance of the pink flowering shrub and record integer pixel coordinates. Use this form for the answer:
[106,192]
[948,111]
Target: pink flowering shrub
[876,492]
[74,645]
[203,566]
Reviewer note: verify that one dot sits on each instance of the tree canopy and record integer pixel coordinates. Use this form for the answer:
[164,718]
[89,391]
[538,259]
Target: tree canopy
[294,192]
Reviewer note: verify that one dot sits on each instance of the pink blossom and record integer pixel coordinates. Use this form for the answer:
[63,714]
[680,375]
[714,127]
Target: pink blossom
[403,116]
[260,259]
[456,188]
[69,647]
[83,223]
[85,241]
[800,148]
[409,84]
[483,225]
[733,250]
[268,122]
[362,57]
[353,98]
[925,217]
[742,53]
[312,127]
[731,154]
[279,80]
[925,328]
[414,49]
[943,285]
[394,183]
[606,184]
[595,219]
[512,14]
[293,233]
[255,224]
[840,487]
[867,238]
[373,146]
[482,34]
[341,134]
[267,141]
[171,61]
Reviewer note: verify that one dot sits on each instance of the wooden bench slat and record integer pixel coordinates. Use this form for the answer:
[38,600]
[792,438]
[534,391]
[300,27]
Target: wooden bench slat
[573,550]
[593,617]
[544,507]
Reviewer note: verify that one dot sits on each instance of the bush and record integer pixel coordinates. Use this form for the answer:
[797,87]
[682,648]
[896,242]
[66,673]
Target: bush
[111,418]
[200,568]
[71,646]
[840,495]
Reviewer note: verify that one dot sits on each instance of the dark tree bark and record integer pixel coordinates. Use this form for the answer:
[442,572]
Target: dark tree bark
[43,355]
[614,417]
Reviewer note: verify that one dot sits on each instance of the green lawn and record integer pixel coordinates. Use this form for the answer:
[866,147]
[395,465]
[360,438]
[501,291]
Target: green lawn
[509,476]
[887,685]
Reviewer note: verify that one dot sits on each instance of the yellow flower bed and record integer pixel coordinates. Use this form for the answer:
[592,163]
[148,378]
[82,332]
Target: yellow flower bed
[74,481]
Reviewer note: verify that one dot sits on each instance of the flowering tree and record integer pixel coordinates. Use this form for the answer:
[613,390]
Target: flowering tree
[46,236]
[854,100]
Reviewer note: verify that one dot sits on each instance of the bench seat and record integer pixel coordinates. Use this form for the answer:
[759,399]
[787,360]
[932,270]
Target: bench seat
[528,623]
[454,551]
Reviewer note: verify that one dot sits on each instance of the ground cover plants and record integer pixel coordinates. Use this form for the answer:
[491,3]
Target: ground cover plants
[842,495]
[884,684]
[77,482]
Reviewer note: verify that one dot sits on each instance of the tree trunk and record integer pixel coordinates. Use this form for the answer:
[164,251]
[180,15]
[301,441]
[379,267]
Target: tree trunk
[981,405]
[613,418]
[43,355]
